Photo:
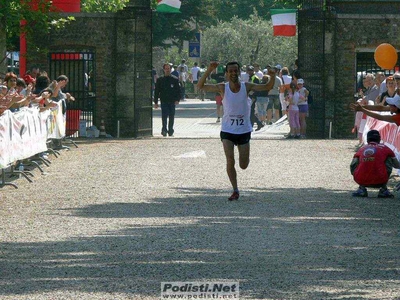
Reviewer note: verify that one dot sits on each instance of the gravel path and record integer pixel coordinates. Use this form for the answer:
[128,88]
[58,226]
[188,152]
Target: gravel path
[112,219]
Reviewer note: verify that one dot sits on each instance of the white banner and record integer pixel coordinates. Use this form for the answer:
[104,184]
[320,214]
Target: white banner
[23,134]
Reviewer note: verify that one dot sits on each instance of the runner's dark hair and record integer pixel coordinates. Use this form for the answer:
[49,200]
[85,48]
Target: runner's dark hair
[231,64]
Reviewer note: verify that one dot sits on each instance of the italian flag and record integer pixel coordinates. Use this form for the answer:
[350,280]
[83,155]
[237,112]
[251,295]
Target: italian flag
[168,6]
[284,22]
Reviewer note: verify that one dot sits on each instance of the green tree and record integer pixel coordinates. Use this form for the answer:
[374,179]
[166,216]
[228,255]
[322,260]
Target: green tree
[247,41]
[103,5]
[173,29]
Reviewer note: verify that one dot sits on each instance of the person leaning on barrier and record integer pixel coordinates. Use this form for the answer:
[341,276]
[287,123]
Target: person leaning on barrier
[42,101]
[58,95]
[393,107]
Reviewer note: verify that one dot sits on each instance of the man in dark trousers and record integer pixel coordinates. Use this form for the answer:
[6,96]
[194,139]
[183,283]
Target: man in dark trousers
[169,93]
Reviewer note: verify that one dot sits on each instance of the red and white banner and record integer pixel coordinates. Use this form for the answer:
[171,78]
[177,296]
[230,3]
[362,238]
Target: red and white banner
[23,134]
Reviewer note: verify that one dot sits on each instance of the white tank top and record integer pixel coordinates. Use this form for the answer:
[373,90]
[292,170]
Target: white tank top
[237,107]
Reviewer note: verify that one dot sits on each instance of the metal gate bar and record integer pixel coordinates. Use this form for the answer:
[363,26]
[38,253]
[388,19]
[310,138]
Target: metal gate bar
[79,67]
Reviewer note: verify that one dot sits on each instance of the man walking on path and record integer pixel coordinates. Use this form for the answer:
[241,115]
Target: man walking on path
[169,92]
[236,126]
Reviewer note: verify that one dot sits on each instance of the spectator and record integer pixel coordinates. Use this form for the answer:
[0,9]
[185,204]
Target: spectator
[380,81]
[168,91]
[293,99]
[244,76]
[219,77]
[396,77]
[257,71]
[184,65]
[253,96]
[393,107]
[175,72]
[183,76]
[372,90]
[262,102]
[59,96]
[372,165]
[389,93]
[285,88]
[273,96]
[303,107]
[11,81]
[194,77]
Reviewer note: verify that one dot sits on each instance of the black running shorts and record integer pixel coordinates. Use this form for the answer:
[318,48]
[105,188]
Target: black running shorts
[236,139]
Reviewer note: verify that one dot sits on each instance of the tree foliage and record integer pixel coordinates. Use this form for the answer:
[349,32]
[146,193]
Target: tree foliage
[247,41]
[201,14]
[102,5]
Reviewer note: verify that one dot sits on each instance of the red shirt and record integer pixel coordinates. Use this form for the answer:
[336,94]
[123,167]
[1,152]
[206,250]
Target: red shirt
[371,169]
[396,118]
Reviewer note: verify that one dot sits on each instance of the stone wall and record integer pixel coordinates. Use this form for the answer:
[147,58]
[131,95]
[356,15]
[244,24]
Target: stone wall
[356,33]
[343,30]
[94,32]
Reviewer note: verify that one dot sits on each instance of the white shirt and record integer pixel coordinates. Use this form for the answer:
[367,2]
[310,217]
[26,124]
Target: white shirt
[302,92]
[237,106]
[277,84]
[286,79]
[244,77]
[294,101]
[195,72]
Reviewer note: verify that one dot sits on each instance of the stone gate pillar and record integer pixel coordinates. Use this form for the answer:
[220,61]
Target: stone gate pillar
[3,64]
[133,58]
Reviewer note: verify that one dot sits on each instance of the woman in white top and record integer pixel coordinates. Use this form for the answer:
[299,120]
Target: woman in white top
[236,126]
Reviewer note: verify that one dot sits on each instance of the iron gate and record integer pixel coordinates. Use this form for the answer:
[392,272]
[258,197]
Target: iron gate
[143,119]
[311,53]
[80,69]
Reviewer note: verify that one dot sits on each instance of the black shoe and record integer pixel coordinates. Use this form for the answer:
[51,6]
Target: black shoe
[170,134]
[259,127]
[384,193]
[164,133]
[361,192]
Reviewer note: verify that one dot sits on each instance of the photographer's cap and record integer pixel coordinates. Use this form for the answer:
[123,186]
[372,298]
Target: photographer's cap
[300,81]
[394,101]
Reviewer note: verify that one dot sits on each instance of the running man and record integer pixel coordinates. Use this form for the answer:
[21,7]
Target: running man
[236,126]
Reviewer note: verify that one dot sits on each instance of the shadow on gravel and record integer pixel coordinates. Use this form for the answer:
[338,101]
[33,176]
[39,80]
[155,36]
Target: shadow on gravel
[280,244]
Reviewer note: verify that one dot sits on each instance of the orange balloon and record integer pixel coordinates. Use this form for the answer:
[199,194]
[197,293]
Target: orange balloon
[385,56]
